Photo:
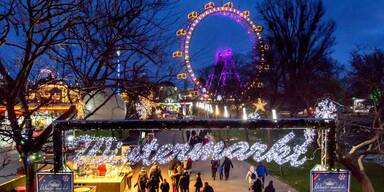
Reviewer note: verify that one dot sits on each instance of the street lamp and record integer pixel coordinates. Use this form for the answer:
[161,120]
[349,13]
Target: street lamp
[245,117]
[274,115]
[226,115]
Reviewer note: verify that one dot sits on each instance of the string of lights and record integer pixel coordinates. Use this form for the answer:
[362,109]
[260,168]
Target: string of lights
[281,152]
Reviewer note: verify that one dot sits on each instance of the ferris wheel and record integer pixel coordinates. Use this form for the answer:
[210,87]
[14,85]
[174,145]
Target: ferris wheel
[241,17]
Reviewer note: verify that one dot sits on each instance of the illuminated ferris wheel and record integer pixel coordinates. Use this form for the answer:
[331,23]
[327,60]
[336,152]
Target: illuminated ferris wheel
[241,17]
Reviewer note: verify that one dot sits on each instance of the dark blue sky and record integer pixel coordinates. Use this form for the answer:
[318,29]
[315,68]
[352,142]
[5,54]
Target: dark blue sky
[359,23]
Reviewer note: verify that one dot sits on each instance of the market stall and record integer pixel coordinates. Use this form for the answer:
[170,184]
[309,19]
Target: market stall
[99,162]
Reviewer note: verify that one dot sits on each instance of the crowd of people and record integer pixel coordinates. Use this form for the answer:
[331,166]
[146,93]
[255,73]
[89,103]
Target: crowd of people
[256,179]
[153,181]
[180,174]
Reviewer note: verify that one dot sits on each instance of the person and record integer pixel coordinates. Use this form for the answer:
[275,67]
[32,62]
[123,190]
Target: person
[172,166]
[152,185]
[270,187]
[142,180]
[164,186]
[187,164]
[194,139]
[257,187]
[251,176]
[207,188]
[214,165]
[184,182]
[174,185]
[188,134]
[188,175]
[221,172]
[156,173]
[205,139]
[198,183]
[176,174]
[128,172]
[227,164]
[262,172]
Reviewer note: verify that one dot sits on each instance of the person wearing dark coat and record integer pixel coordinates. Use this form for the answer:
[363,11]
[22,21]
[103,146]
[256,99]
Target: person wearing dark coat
[207,188]
[142,180]
[257,186]
[194,139]
[198,183]
[270,187]
[227,164]
[184,182]
[152,185]
[188,179]
[164,186]
[156,173]
[214,165]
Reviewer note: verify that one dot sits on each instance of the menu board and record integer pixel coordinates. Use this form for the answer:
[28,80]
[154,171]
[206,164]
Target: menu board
[54,182]
[330,181]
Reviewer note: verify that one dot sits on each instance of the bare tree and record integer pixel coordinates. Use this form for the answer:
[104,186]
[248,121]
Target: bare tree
[5,12]
[37,27]
[358,137]
[300,40]
[362,135]
[79,38]
[119,45]
[367,72]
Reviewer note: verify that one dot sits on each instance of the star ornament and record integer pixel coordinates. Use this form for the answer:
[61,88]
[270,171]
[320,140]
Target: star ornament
[260,105]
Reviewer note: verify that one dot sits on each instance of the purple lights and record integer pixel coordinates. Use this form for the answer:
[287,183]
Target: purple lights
[224,54]
[224,79]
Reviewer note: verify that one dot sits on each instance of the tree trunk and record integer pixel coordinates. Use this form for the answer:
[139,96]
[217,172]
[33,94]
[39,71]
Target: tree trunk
[360,175]
[29,175]
[246,135]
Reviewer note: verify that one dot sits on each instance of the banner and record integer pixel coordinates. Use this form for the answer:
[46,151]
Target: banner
[330,181]
[54,182]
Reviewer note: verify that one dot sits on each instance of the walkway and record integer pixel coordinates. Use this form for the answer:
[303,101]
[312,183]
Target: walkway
[236,181]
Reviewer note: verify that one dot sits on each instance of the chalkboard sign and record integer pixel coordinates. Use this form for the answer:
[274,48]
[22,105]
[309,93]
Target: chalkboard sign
[54,182]
[330,181]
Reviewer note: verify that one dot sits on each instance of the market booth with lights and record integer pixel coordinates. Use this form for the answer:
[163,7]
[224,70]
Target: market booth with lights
[100,163]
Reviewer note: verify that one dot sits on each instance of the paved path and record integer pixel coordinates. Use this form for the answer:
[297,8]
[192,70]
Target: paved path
[236,181]
[9,171]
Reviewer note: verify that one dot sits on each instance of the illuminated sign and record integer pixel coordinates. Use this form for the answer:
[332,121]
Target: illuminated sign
[281,152]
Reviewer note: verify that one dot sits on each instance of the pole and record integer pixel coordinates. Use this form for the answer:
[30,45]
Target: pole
[57,149]
[331,147]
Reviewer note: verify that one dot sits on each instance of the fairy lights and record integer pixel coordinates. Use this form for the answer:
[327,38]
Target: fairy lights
[281,152]
[254,115]
[325,109]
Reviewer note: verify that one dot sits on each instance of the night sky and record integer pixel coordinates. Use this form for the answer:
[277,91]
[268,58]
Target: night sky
[358,24]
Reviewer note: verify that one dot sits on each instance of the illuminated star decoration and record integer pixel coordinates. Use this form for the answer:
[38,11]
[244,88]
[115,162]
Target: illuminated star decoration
[260,105]
[325,109]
